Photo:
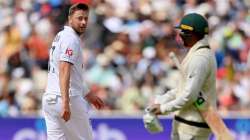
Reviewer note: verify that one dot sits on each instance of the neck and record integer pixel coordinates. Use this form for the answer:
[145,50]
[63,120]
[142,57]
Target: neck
[79,34]
[193,42]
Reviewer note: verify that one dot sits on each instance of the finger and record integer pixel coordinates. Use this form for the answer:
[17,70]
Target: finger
[157,111]
[154,110]
[101,103]
[97,105]
[65,116]
[150,109]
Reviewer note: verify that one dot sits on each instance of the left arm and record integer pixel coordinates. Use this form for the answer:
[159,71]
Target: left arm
[94,100]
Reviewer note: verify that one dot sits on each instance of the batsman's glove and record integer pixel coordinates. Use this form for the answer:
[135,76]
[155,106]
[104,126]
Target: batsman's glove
[151,122]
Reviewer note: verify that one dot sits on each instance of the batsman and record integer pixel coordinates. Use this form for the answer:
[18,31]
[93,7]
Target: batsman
[194,99]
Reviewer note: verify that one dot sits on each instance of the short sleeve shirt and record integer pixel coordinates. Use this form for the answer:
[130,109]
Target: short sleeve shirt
[66,47]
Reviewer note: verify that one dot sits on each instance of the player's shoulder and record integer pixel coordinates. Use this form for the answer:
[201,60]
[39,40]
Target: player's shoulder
[203,49]
[201,57]
[66,37]
[203,52]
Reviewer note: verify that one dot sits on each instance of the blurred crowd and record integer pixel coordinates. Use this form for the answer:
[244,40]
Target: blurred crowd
[126,49]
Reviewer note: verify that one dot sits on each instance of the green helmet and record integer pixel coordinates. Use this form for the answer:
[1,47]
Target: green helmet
[194,22]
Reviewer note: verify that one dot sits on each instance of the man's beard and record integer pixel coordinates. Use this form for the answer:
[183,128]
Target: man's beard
[186,39]
[79,33]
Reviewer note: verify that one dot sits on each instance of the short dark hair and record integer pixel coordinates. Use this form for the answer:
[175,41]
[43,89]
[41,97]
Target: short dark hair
[78,6]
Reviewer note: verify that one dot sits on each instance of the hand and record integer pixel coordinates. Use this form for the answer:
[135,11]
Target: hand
[155,109]
[95,101]
[152,123]
[65,114]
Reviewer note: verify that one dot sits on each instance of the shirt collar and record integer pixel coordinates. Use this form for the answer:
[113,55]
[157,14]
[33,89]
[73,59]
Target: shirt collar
[70,29]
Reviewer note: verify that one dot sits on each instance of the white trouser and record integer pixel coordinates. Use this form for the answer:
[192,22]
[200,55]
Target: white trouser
[181,131]
[184,136]
[77,128]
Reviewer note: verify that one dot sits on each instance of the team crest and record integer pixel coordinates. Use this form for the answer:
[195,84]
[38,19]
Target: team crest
[69,52]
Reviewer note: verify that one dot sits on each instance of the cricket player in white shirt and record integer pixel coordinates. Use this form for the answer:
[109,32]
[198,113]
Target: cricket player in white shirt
[196,89]
[66,98]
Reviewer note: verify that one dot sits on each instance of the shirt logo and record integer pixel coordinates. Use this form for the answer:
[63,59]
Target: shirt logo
[199,101]
[69,52]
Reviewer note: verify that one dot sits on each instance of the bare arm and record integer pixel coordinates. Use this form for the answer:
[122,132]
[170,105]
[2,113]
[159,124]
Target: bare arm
[64,78]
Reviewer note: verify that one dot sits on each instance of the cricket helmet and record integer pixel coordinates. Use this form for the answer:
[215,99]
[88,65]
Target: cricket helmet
[195,23]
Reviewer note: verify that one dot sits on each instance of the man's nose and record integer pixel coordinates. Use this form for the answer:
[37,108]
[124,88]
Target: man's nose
[84,22]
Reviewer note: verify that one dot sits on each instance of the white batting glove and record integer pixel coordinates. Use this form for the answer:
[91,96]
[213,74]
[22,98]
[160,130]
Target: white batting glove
[151,123]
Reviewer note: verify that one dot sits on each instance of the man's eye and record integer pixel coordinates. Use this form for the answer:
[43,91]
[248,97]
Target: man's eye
[80,18]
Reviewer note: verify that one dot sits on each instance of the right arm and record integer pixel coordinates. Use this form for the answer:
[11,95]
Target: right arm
[68,56]
[197,72]
[168,96]
[64,78]
[162,99]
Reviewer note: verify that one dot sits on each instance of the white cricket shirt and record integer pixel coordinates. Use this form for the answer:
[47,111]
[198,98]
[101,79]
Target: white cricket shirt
[66,47]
